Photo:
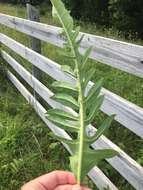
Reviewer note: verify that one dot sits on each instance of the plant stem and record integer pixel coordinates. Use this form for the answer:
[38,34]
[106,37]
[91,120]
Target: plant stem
[81,111]
[81,132]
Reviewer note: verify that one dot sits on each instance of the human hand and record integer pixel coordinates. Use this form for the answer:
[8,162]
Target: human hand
[56,180]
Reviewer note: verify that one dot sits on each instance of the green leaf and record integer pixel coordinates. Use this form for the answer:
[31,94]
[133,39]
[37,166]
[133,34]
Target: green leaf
[62,114]
[94,109]
[87,77]
[67,49]
[94,91]
[64,85]
[67,69]
[93,157]
[105,125]
[85,58]
[90,159]
[67,53]
[74,164]
[53,145]
[54,13]
[64,124]
[84,158]
[63,15]
[78,42]
[66,99]
[73,144]
[101,154]
[75,34]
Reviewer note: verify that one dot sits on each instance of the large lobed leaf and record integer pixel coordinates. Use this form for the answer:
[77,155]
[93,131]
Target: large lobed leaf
[83,157]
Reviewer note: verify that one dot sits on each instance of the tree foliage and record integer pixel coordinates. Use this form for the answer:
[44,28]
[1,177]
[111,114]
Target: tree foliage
[123,15]
[89,10]
[127,16]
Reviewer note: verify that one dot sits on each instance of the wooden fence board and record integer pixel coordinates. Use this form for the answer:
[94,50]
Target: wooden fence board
[124,164]
[95,174]
[124,56]
[41,89]
[127,113]
[34,15]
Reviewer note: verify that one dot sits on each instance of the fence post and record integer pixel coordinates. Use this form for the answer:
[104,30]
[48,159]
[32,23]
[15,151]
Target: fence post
[34,15]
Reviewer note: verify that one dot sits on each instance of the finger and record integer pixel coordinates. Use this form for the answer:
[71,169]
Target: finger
[33,186]
[55,178]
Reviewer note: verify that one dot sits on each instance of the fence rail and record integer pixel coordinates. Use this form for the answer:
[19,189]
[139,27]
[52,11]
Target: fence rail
[95,174]
[130,169]
[121,55]
[127,113]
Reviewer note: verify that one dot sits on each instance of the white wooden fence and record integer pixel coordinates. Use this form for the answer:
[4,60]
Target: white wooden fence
[121,55]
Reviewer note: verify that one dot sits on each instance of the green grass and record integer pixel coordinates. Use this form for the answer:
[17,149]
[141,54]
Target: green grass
[26,148]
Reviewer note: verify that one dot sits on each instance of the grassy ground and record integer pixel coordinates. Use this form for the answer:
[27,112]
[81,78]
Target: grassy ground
[26,148]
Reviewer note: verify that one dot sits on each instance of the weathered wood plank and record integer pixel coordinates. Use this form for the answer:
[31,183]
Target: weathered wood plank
[124,164]
[95,174]
[41,89]
[124,56]
[34,15]
[127,113]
